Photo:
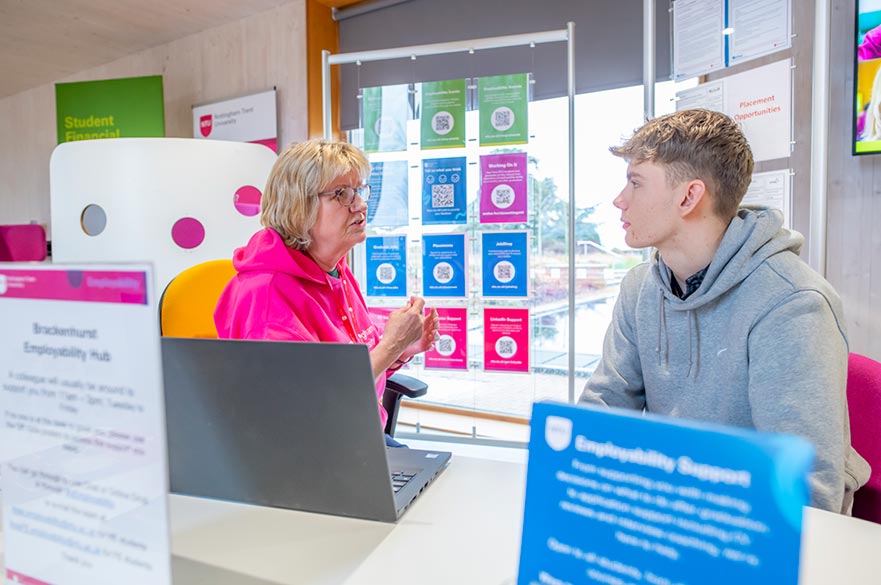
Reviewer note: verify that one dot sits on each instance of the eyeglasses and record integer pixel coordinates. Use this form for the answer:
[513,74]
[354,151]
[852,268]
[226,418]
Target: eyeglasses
[345,196]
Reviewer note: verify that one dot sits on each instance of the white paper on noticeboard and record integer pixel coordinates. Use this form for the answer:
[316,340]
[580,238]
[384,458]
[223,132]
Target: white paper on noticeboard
[708,96]
[82,445]
[761,101]
[759,27]
[771,189]
[698,43]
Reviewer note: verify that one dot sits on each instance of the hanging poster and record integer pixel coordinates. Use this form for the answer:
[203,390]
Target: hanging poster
[443,114]
[506,340]
[443,265]
[250,118]
[698,42]
[450,351]
[760,100]
[503,188]
[504,264]
[444,198]
[616,496]
[82,427]
[386,266]
[758,27]
[771,189]
[708,96]
[385,112]
[388,206]
[132,107]
[504,105]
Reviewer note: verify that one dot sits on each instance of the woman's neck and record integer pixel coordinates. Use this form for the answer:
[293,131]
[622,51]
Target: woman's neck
[327,262]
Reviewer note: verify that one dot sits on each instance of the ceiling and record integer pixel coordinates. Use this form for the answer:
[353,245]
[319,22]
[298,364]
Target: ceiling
[42,41]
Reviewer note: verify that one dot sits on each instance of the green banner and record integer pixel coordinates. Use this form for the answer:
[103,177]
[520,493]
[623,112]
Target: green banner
[385,111]
[443,114]
[112,108]
[503,102]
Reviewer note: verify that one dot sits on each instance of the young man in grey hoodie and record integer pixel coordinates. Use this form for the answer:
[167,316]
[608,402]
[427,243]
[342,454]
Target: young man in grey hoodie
[725,323]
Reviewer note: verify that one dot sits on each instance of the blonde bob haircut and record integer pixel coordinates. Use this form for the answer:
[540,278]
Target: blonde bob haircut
[290,200]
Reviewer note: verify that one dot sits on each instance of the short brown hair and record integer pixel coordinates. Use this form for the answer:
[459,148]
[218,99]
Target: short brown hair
[304,169]
[696,144]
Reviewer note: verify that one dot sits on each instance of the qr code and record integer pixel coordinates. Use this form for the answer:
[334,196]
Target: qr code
[442,196]
[503,196]
[443,272]
[442,124]
[444,345]
[386,273]
[502,118]
[505,271]
[506,347]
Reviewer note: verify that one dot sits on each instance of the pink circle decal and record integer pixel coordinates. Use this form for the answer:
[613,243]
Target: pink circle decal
[247,200]
[188,232]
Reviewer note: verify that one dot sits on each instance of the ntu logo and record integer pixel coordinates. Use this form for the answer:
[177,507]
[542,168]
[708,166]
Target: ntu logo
[558,432]
[205,124]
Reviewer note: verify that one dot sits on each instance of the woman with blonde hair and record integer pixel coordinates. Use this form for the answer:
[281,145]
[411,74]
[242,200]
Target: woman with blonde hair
[293,281]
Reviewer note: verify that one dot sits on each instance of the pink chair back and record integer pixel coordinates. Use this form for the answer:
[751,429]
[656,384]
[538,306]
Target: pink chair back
[864,404]
[22,243]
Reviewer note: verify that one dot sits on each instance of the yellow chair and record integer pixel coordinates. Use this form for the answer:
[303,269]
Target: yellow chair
[186,309]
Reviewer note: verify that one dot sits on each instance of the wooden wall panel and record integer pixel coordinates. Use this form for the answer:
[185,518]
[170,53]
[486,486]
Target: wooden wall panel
[247,56]
[853,249]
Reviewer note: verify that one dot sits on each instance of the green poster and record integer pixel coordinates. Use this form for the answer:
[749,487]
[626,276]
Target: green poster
[385,113]
[112,108]
[443,114]
[503,109]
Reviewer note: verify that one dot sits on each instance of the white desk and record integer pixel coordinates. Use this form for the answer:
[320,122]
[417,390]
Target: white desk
[464,530]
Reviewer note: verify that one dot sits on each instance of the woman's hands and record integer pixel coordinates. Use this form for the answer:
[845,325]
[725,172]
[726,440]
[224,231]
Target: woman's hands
[407,332]
[426,340]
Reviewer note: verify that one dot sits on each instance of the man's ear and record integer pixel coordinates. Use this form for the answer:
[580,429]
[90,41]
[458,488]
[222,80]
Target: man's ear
[694,192]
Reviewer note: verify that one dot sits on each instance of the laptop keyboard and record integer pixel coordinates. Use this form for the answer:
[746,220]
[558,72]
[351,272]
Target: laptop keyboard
[400,479]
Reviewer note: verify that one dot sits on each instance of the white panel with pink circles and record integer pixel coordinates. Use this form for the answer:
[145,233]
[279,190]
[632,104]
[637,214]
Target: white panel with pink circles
[172,201]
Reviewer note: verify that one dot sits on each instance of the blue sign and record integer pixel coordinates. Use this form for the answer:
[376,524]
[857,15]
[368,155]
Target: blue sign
[505,268]
[388,194]
[444,199]
[386,266]
[618,497]
[443,265]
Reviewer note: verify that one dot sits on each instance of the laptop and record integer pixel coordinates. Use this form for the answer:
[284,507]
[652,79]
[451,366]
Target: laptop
[288,425]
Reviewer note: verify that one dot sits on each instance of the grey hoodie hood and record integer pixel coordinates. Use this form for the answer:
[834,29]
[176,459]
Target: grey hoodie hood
[753,236]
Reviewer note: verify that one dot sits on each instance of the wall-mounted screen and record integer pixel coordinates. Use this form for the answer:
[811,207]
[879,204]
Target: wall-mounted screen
[867,78]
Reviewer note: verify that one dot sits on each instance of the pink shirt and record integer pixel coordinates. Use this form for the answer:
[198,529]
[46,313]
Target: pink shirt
[282,294]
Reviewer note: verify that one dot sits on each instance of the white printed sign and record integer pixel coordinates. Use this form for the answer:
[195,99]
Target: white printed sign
[771,189]
[709,96]
[82,445]
[698,43]
[761,101]
[758,27]
[250,118]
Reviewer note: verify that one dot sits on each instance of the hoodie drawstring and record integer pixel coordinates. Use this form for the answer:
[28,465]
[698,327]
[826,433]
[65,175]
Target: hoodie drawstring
[694,338]
[662,324]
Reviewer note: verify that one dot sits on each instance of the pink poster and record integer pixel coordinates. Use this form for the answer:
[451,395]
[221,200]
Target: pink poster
[451,349]
[380,316]
[503,188]
[506,340]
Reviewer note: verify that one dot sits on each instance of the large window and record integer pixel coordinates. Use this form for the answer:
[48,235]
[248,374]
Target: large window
[494,404]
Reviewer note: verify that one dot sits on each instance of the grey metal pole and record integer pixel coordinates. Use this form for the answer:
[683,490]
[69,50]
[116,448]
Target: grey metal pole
[570,69]
[819,138]
[326,111]
[648,59]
